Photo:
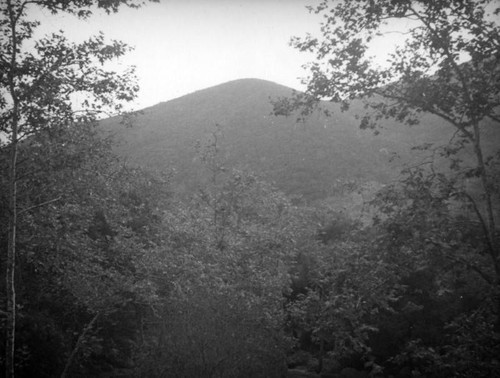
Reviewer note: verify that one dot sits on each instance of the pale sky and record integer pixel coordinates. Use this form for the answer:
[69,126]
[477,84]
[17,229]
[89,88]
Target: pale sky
[182,46]
[185,45]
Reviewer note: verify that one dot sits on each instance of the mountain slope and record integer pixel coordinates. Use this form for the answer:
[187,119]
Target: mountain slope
[301,158]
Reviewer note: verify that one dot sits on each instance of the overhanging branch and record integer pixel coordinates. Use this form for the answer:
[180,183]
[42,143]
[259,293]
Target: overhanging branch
[38,205]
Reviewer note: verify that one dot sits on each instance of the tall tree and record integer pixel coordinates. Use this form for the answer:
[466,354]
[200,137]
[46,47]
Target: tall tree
[36,88]
[447,66]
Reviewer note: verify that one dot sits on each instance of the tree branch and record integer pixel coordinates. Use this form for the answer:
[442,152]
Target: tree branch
[484,227]
[459,260]
[494,118]
[38,205]
[483,275]
[78,345]
[437,113]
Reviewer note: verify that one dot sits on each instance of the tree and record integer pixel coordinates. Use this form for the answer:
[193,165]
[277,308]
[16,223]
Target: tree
[447,66]
[82,257]
[448,295]
[222,271]
[36,87]
[340,284]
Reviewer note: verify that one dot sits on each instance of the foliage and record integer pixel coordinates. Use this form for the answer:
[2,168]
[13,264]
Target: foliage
[348,284]
[422,74]
[441,258]
[437,229]
[446,66]
[79,256]
[206,333]
[399,293]
[39,85]
[116,273]
[223,274]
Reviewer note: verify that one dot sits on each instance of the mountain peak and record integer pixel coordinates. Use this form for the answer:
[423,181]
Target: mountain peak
[239,93]
[253,82]
[241,86]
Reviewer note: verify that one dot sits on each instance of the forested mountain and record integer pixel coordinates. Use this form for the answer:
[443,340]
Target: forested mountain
[271,247]
[301,157]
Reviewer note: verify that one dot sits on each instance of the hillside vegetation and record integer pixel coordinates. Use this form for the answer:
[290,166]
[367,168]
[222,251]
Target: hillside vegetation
[305,158]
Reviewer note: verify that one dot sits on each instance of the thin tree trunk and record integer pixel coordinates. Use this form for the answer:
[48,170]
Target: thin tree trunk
[10,287]
[494,252]
[487,195]
[11,269]
[321,355]
[78,344]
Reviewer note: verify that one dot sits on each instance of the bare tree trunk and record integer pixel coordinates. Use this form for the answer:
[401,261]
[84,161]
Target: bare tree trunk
[11,269]
[12,237]
[487,196]
[78,344]
[491,227]
[321,355]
